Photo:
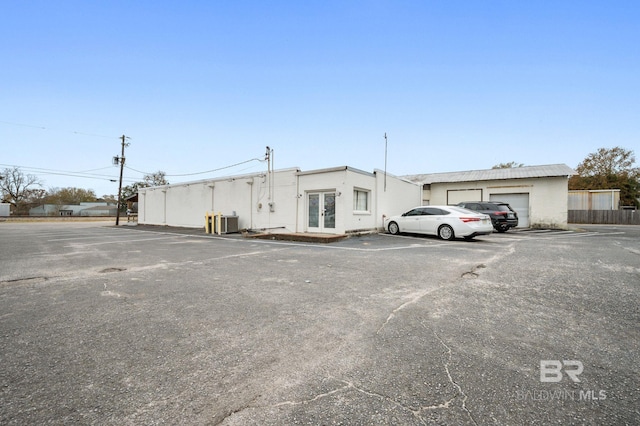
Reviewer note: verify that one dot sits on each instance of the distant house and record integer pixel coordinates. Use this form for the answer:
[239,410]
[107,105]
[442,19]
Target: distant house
[82,209]
[132,203]
[107,210]
[539,194]
[5,209]
[594,199]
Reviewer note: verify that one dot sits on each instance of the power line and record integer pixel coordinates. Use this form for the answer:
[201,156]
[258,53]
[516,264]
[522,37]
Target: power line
[34,126]
[41,171]
[23,125]
[112,178]
[200,173]
[95,170]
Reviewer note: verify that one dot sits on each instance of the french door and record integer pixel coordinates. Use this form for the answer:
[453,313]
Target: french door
[321,211]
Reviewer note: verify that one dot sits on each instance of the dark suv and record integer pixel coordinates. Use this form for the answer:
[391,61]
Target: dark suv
[502,215]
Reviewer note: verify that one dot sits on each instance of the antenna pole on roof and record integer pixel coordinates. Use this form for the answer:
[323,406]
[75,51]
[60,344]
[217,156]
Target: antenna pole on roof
[267,156]
[385,161]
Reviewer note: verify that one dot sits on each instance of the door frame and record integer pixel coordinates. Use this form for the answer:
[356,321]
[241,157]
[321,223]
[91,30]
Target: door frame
[321,228]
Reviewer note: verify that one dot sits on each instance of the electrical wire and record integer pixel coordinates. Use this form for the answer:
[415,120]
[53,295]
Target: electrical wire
[97,176]
[33,126]
[42,171]
[198,173]
[67,173]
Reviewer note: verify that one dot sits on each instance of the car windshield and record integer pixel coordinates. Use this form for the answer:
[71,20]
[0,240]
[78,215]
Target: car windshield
[503,208]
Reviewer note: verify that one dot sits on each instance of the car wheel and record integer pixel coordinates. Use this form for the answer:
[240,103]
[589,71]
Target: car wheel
[394,229]
[502,228]
[446,232]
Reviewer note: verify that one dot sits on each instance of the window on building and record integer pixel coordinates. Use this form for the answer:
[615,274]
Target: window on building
[360,200]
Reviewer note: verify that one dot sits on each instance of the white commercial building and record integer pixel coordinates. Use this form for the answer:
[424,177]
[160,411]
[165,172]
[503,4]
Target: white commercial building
[336,200]
[539,194]
[81,209]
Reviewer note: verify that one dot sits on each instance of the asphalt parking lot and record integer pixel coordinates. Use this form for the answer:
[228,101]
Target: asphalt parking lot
[106,325]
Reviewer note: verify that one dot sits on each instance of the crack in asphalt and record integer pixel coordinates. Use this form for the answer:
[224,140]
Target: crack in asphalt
[469,274]
[473,272]
[416,297]
[453,382]
[347,385]
[27,280]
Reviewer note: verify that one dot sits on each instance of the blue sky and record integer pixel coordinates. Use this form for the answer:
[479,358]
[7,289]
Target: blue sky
[200,85]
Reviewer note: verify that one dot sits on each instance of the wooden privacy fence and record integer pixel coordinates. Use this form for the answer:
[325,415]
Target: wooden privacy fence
[611,217]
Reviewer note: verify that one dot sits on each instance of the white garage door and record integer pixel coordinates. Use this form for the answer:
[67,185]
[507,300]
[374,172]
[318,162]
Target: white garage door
[518,202]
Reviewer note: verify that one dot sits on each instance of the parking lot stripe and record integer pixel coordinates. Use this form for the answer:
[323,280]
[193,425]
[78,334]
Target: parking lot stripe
[128,241]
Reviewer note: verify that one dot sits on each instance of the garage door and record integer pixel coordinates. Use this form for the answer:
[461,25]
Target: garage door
[518,202]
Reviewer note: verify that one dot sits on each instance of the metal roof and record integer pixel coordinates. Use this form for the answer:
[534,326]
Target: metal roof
[551,170]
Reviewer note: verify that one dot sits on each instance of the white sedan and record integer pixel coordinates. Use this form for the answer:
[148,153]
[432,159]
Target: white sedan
[447,222]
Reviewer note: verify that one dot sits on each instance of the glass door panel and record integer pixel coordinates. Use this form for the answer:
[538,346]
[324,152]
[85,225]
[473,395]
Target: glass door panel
[329,210]
[314,210]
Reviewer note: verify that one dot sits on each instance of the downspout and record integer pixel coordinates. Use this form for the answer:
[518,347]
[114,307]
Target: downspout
[164,209]
[298,196]
[375,205]
[212,186]
[250,183]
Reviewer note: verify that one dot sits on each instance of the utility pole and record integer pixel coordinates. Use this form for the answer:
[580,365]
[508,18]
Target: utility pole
[120,160]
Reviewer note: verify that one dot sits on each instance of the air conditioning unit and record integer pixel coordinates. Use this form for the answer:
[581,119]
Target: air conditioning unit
[228,225]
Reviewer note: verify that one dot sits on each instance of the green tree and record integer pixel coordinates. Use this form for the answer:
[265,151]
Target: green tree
[153,179]
[66,196]
[109,198]
[129,190]
[509,165]
[610,168]
[20,190]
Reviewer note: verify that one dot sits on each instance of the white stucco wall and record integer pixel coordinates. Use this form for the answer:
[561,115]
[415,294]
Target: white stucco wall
[549,203]
[399,196]
[248,196]
[548,196]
